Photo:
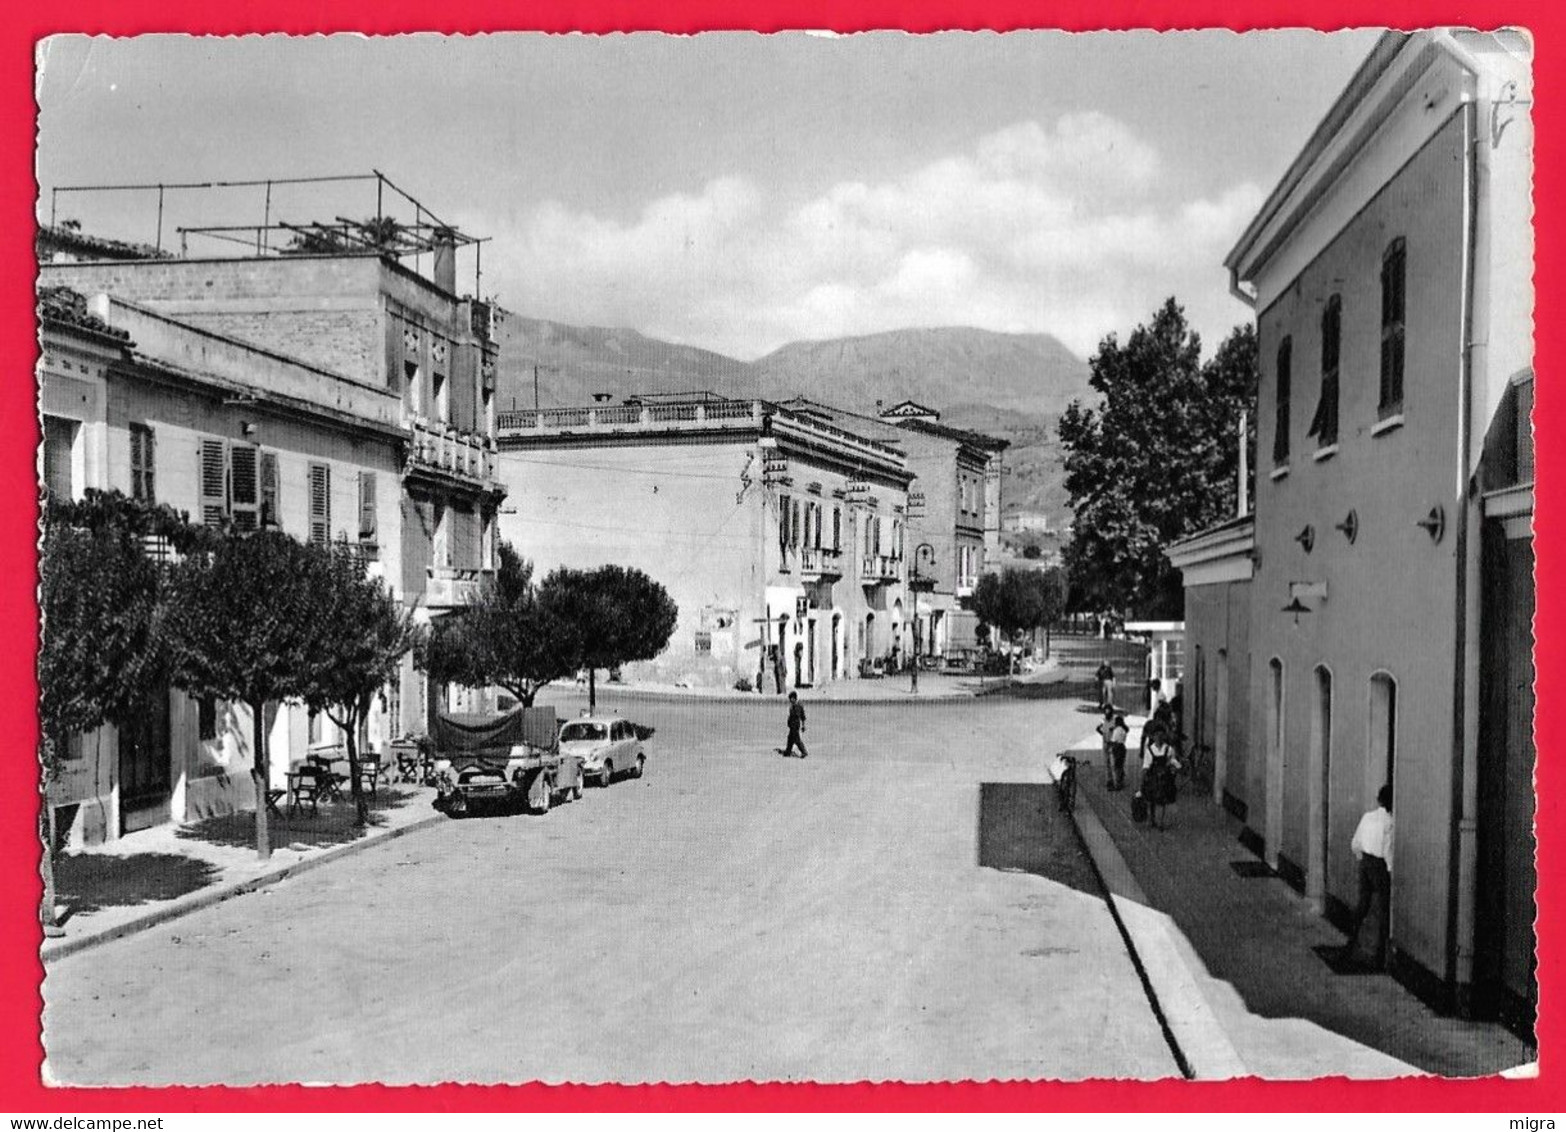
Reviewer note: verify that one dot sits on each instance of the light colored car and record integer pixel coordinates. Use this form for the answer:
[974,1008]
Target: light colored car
[606,745]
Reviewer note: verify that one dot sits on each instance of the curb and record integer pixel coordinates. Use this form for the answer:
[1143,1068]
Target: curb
[206,898]
[1197,1037]
[772,699]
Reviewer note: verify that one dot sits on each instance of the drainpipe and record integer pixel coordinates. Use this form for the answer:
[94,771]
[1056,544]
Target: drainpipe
[1463,858]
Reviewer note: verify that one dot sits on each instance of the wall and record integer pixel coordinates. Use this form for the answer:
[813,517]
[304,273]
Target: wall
[668,509]
[1390,595]
[322,310]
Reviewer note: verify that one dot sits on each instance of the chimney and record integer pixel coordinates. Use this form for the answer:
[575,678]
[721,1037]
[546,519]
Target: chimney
[445,271]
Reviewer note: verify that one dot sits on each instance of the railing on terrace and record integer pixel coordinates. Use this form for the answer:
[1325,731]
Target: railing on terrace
[458,453]
[880,567]
[700,414]
[448,586]
[820,560]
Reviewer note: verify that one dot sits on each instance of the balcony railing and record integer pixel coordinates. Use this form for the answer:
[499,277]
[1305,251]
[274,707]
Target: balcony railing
[674,417]
[448,587]
[821,561]
[463,454]
[880,568]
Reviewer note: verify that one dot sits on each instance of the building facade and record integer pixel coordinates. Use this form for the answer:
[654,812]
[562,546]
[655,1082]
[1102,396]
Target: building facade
[369,324]
[1374,611]
[780,537]
[166,413]
[954,514]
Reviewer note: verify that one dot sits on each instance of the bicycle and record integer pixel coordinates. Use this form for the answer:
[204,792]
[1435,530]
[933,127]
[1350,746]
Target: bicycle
[1066,785]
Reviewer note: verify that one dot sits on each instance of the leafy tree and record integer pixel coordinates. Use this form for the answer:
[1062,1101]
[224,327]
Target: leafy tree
[361,640]
[102,652]
[608,617]
[1018,601]
[1033,552]
[508,637]
[243,626]
[1156,459]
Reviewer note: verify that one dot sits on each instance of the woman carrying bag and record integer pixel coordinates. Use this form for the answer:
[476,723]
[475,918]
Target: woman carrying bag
[1158,782]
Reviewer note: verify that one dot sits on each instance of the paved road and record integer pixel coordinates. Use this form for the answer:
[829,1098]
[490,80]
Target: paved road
[733,915]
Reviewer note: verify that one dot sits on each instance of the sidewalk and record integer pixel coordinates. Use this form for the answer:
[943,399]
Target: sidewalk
[1245,943]
[158,874]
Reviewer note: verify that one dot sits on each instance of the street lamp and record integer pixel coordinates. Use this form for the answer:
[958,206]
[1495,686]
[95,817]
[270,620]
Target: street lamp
[924,552]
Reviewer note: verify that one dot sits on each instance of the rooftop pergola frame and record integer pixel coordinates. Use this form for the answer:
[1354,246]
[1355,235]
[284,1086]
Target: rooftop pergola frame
[383,233]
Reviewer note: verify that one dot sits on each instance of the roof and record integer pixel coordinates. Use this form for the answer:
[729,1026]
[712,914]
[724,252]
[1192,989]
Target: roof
[62,306]
[962,435]
[894,425]
[100,246]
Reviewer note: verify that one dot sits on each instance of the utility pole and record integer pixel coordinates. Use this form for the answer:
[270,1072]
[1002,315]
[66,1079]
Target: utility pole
[535,387]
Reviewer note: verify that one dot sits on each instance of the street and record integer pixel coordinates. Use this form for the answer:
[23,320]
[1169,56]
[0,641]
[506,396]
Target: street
[734,915]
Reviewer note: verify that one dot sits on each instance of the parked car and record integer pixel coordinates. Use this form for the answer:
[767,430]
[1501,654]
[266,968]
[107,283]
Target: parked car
[607,746]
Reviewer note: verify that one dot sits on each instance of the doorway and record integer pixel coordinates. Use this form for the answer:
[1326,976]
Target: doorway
[1319,859]
[145,768]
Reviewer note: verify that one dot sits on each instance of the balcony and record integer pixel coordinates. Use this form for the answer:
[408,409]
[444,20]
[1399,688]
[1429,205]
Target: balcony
[820,562]
[446,587]
[879,568]
[445,451]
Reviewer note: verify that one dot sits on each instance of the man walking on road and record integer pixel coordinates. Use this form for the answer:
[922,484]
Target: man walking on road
[796,724]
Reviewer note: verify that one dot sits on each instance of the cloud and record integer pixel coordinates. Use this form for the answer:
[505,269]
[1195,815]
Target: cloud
[1072,228]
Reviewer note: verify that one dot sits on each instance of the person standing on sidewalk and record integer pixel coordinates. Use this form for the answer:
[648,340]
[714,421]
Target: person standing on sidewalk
[796,726]
[1158,766]
[1372,844]
[1106,685]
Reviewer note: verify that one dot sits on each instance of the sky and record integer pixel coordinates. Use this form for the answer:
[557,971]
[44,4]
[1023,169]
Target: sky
[732,191]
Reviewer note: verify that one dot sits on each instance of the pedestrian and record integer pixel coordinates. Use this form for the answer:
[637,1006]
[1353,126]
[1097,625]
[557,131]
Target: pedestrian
[1372,844]
[1155,697]
[796,727]
[1106,685]
[1115,732]
[1158,766]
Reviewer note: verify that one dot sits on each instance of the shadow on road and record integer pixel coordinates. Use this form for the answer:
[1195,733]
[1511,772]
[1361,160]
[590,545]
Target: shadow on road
[1021,829]
[89,882]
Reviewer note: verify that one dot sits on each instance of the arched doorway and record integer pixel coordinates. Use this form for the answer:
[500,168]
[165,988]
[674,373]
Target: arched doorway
[1318,863]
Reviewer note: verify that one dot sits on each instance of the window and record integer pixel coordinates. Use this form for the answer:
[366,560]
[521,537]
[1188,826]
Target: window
[793,526]
[837,528]
[785,509]
[441,395]
[206,718]
[143,485]
[270,518]
[703,642]
[367,507]
[59,451]
[1280,419]
[1324,425]
[1394,272]
[212,481]
[320,503]
[244,488]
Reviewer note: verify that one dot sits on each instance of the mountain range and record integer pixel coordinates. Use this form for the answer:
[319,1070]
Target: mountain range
[1012,386]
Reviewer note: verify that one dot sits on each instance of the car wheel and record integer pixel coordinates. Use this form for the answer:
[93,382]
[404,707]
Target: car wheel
[606,776]
[641,765]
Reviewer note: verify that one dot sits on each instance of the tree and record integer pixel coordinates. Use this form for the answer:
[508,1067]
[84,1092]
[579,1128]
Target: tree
[1017,601]
[607,617]
[243,626]
[1156,459]
[102,651]
[1033,552]
[361,640]
[508,637]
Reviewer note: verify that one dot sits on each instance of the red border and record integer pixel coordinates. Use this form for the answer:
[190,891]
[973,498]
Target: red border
[20,1004]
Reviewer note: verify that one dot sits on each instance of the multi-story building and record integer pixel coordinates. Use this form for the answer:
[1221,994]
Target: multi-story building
[138,402]
[368,324]
[954,513]
[1369,624]
[779,536]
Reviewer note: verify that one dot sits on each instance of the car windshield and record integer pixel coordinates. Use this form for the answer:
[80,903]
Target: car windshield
[583,732]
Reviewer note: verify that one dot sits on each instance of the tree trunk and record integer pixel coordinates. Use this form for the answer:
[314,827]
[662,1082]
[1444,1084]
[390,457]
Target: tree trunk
[261,777]
[592,691]
[361,809]
[46,913]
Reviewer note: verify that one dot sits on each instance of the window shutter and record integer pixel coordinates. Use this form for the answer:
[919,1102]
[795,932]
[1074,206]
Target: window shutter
[366,506]
[141,458]
[784,511]
[269,515]
[1280,426]
[793,527]
[244,496]
[394,350]
[58,440]
[320,503]
[212,481]
[837,528]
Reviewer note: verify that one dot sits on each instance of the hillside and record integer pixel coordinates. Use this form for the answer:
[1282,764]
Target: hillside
[1013,386]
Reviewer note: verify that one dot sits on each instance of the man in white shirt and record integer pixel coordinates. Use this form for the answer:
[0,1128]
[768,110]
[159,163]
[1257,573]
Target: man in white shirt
[1372,844]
